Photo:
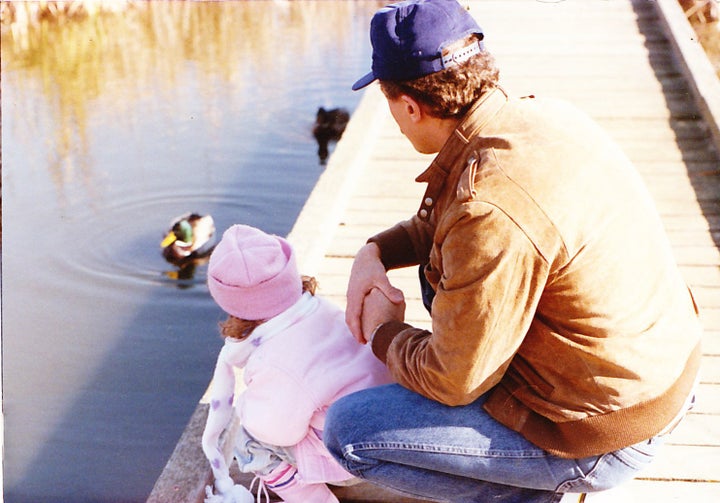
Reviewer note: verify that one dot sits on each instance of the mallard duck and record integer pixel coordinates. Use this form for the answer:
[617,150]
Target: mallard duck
[329,126]
[190,236]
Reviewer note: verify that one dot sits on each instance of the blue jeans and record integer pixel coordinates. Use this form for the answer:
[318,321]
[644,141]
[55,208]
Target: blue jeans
[400,440]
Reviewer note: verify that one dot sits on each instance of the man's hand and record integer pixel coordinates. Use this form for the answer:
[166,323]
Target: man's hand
[378,309]
[367,273]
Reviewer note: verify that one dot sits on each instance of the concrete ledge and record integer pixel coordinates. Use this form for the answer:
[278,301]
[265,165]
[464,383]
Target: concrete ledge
[694,63]
[187,472]
[320,215]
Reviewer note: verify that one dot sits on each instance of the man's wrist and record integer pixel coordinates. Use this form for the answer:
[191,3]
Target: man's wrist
[383,336]
[372,251]
[375,331]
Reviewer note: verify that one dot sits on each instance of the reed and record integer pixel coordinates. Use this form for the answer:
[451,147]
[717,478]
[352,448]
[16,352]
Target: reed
[704,16]
[94,43]
[68,54]
[20,17]
[700,11]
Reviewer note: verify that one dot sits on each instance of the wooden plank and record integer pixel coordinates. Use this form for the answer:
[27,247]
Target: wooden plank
[658,491]
[697,429]
[710,317]
[708,402]
[615,61]
[710,370]
[699,463]
[693,63]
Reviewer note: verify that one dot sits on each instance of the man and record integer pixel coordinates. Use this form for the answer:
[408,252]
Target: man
[564,342]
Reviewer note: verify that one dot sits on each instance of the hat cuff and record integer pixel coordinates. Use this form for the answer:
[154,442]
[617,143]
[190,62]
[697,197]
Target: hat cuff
[364,81]
[264,300]
[259,302]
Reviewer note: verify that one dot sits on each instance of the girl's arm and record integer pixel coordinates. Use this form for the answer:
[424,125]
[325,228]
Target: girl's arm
[219,415]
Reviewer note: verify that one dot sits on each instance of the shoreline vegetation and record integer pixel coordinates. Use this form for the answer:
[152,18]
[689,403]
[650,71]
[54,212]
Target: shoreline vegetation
[704,16]
[73,51]
[20,19]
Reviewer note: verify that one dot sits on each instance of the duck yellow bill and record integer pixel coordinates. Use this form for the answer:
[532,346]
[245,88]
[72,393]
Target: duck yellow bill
[169,239]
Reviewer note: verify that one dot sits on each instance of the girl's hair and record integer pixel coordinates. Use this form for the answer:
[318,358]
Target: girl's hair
[236,328]
[449,93]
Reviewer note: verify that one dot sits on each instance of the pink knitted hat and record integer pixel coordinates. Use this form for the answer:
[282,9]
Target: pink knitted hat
[253,275]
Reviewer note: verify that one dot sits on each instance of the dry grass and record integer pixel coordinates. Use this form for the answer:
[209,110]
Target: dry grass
[703,16]
[709,36]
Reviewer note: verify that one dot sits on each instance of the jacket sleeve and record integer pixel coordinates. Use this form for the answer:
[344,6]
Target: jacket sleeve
[492,280]
[405,244]
[219,415]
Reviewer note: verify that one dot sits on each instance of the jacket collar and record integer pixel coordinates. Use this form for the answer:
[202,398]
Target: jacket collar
[474,121]
[239,352]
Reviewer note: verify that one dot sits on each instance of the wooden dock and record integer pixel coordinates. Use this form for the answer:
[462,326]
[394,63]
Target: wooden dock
[632,65]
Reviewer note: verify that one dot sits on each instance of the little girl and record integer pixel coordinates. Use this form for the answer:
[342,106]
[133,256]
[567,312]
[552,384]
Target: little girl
[298,357]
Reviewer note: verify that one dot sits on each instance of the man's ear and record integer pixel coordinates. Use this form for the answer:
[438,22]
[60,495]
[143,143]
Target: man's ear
[412,108]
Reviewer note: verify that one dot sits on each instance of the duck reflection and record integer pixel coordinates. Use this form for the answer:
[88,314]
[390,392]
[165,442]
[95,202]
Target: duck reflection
[329,126]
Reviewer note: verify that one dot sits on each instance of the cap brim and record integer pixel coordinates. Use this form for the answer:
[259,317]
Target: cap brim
[364,81]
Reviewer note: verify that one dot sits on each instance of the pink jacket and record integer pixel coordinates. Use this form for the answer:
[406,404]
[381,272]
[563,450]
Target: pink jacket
[295,366]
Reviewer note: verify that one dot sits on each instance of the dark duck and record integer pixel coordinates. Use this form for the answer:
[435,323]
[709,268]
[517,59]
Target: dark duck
[329,126]
[191,236]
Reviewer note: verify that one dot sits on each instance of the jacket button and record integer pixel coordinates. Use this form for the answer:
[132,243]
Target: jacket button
[423,213]
[428,201]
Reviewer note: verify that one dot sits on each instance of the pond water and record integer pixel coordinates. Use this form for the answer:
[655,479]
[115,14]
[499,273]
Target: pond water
[111,126]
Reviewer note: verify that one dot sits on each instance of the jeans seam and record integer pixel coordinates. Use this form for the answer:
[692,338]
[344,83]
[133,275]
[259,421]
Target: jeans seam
[349,453]
[445,449]
[586,481]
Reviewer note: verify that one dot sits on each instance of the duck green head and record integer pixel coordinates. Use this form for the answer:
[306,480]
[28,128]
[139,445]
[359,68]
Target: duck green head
[184,231]
[181,231]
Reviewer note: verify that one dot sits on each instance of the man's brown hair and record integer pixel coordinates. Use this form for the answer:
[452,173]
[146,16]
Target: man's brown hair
[449,93]
[236,328]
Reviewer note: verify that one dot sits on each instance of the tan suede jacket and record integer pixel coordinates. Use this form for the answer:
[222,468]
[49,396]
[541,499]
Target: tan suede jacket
[556,287]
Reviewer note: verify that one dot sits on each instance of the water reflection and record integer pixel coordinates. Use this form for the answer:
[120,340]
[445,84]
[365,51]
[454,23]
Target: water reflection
[153,44]
[112,125]
[329,127]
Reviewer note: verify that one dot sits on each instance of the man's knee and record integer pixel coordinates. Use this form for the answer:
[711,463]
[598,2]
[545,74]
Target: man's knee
[338,418]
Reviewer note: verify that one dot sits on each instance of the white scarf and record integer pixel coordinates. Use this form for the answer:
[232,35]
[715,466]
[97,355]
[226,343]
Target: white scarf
[238,352]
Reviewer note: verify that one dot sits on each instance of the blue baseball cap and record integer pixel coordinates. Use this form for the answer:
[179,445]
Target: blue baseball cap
[408,39]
